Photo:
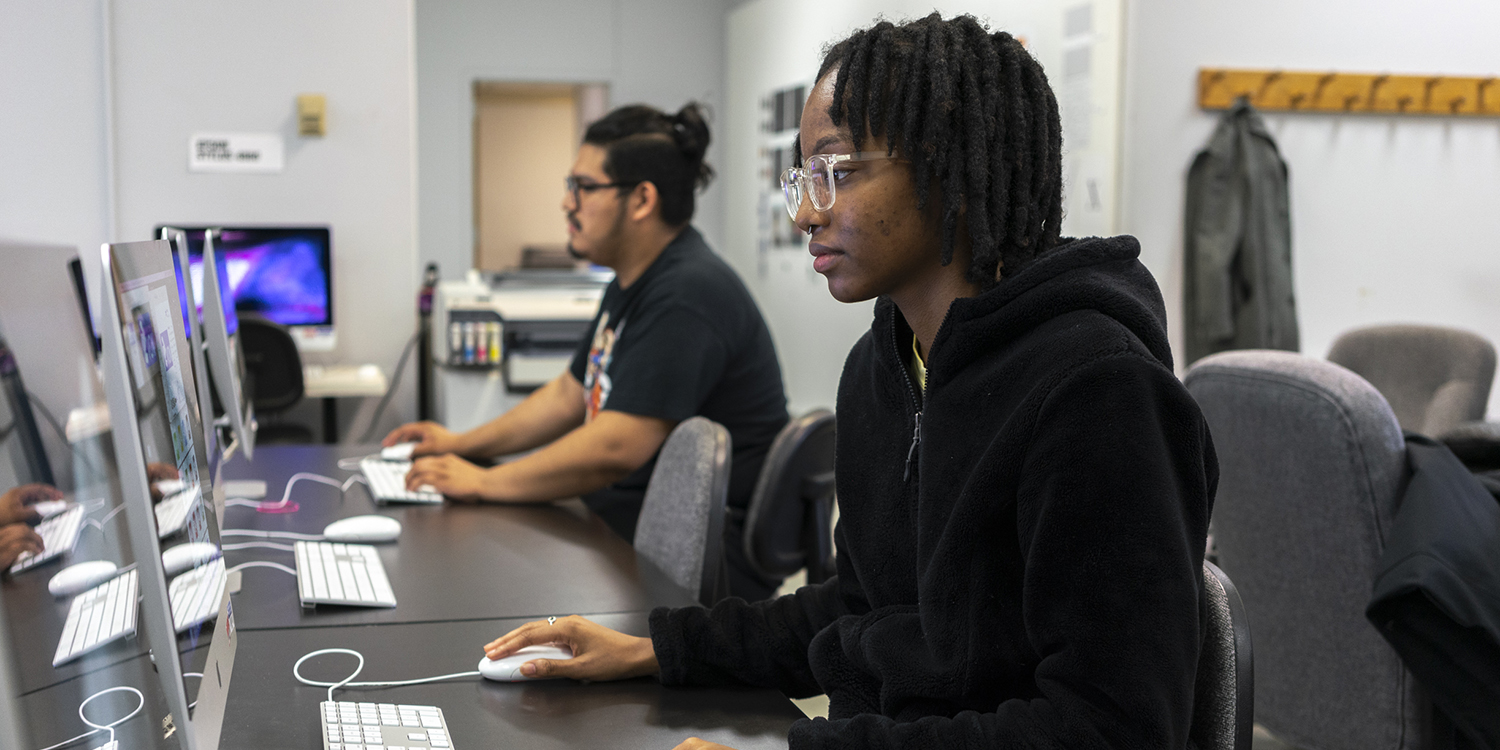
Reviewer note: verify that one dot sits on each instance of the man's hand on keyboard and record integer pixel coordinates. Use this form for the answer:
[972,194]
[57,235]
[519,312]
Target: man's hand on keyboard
[431,438]
[15,539]
[450,475]
[15,505]
[598,652]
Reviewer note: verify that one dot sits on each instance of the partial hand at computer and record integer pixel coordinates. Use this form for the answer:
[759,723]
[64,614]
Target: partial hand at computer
[598,652]
[15,539]
[15,505]
[431,438]
[450,475]
[157,471]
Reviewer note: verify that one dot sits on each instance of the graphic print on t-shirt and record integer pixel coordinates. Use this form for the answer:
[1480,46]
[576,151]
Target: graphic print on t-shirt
[596,384]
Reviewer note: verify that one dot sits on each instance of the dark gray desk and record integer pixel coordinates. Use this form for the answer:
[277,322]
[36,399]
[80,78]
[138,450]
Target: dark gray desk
[269,708]
[452,562]
[462,575]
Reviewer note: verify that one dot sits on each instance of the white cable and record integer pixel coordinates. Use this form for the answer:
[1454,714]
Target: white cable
[110,727]
[286,495]
[267,545]
[261,564]
[348,681]
[110,516]
[272,534]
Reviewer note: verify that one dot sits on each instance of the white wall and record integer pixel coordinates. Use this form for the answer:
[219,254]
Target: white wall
[52,137]
[775,44]
[658,52]
[1393,218]
[184,66]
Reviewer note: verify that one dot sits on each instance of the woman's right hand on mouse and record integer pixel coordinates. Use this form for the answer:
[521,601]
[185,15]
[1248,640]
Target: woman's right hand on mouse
[598,652]
[431,438]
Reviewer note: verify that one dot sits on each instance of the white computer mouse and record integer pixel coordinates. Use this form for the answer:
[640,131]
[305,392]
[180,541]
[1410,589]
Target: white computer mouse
[508,669]
[363,529]
[397,452]
[50,508]
[189,555]
[81,576]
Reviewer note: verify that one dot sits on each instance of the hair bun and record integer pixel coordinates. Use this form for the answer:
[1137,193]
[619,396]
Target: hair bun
[690,132]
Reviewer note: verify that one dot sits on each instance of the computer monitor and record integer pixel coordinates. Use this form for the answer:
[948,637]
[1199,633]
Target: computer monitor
[213,334]
[154,413]
[23,459]
[284,274]
[42,322]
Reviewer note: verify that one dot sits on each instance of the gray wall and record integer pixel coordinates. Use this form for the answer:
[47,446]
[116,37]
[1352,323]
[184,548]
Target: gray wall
[1392,217]
[52,135]
[659,52]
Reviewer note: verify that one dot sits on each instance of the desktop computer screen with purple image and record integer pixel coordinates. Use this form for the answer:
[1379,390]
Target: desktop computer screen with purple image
[281,273]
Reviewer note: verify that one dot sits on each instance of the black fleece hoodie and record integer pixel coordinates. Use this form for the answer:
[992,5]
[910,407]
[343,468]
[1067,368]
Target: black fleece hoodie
[1020,548]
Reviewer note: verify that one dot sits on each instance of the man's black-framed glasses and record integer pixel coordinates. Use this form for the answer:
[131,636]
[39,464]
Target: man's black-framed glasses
[577,186]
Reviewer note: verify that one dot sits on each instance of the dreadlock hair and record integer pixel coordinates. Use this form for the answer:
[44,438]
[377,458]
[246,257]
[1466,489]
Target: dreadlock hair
[972,112]
[645,144]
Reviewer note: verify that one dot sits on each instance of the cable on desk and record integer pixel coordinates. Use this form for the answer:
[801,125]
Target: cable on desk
[99,523]
[261,564]
[267,545]
[286,505]
[110,727]
[347,681]
[257,533]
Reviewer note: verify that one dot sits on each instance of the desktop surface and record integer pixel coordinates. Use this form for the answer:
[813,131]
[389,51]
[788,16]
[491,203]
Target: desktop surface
[452,561]
[269,708]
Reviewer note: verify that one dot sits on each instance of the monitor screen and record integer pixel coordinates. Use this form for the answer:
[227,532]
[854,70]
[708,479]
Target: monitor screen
[282,273]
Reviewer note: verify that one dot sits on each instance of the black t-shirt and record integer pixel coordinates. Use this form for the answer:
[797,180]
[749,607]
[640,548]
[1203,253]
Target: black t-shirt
[686,339]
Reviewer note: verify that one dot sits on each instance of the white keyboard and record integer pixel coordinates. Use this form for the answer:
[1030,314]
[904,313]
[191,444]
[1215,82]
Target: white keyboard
[388,483]
[348,574]
[172,512]
[196,593]
[391,726]
[59,535]
[101,615]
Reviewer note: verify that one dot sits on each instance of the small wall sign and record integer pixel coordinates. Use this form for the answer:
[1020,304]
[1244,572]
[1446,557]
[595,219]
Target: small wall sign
[235,152]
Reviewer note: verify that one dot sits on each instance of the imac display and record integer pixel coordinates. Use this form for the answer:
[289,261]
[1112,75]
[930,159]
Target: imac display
[153,407]
[222,354]
[282,273]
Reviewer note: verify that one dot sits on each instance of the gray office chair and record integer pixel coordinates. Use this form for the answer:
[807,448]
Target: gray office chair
[1434,378]
[789,523]
[1224,692]
[1311,466]
[681,527]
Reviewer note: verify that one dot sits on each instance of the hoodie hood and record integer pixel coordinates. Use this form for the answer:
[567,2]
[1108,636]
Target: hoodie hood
[1102,274]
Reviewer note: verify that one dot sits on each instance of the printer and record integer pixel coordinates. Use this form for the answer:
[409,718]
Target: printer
[523,324]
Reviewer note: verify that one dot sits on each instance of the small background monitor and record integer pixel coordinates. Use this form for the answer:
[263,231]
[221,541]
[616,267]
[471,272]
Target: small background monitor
[282,273]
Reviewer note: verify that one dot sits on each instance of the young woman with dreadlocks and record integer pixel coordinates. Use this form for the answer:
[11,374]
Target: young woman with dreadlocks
[1024,486]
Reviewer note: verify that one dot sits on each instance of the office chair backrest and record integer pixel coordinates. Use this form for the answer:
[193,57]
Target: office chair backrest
[681,528]
[273,367]
[1224,693]
[1434,378]
[1311,464]
[788,525]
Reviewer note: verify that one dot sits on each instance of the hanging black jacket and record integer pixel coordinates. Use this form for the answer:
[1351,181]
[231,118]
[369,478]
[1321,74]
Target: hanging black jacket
[1020,566]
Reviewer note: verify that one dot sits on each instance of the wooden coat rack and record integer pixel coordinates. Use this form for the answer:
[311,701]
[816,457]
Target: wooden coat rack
[1376,93]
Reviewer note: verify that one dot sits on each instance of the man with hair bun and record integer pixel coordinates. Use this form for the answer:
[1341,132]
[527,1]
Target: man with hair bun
[677,335]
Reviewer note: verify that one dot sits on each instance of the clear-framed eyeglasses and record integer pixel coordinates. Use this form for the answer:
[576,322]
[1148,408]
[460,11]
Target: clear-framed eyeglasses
[818,179]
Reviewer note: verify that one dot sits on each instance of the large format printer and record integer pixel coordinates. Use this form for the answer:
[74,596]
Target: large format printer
[497,337]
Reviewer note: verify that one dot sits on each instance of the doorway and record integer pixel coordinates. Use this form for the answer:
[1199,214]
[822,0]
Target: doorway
[525,139]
